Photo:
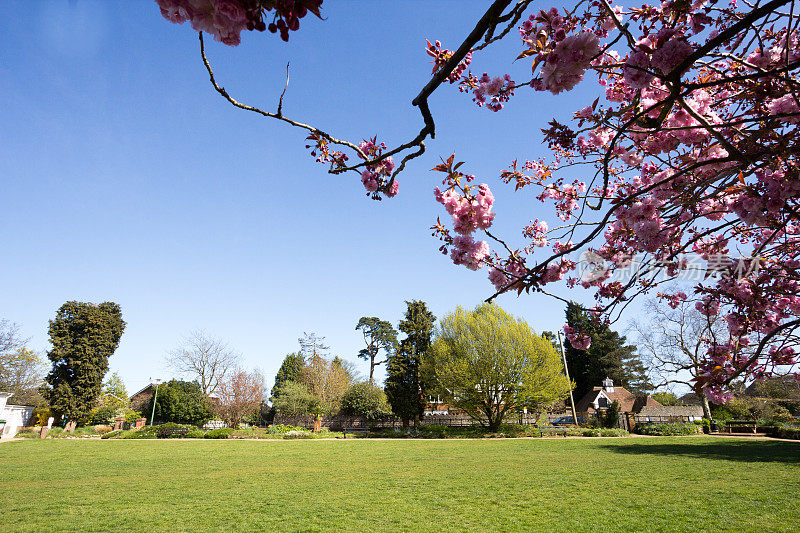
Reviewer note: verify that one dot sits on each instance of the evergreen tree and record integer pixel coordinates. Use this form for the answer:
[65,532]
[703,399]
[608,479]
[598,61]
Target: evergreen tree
[403,385]
[84,336]
[182,402]
[607,356]
[290,370]
[378,335]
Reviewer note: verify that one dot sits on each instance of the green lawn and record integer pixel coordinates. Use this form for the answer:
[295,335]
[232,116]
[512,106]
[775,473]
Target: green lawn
[629,484]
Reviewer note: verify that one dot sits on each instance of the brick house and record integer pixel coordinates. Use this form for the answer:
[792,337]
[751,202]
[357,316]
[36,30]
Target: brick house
[139,399]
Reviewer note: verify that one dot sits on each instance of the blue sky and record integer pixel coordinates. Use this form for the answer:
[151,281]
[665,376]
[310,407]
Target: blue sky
[126,178]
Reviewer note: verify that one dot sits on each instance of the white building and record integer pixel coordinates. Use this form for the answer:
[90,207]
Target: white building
[12,417]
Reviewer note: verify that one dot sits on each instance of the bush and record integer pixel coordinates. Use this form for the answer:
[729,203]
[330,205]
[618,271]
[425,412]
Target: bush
[147,432]
[102,429]
[195,433]
[172,430]
[671,429]
[367,400]
[785,432]
[280,429]
[221,433]
[298,434]
[596,432]
[115,434]
[610,418]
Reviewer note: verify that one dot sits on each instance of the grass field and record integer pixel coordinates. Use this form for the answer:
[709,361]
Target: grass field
[629,484]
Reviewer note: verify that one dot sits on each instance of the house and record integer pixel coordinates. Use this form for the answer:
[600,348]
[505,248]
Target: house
[601,397]
[12,417]
[140,399]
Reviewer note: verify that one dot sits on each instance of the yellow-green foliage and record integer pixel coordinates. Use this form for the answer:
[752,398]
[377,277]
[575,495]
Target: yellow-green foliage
[489,364]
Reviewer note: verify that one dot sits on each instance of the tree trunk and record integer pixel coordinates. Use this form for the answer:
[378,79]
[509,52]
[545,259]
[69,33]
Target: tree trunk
[706,407]
[405,423]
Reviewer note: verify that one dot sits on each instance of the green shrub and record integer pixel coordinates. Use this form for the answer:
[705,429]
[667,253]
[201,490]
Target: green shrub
[785,432]
[28,433]
[147,432]
[115,434]
[280,429]
[221,433]
[670,429]
[195,433]
[102,429]
[596,432]
[171,430]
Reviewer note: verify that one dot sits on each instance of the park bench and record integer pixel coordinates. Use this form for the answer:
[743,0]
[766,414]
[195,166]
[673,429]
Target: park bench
[354,431]
[552,430]
[749,425]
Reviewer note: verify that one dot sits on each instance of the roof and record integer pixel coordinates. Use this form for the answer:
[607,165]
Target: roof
[149,386]
[672,410]
[628,402]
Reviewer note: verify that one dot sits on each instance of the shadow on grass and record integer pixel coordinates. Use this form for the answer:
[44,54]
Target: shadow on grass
[744,451]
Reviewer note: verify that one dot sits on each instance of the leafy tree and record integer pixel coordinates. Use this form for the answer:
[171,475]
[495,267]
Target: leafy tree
[290,370]
[21,373]
[182,402]
[327,380]
[665,398]
[404,386]
[294,399]
[116,386]
[239,396]
[83,336]
[607,356]
[490,364]
[378,335]
[206,359]
[367,400]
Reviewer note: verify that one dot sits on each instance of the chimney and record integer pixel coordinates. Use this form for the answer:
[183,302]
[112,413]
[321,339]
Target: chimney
[608,384]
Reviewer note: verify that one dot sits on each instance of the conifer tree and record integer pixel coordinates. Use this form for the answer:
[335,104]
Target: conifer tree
[403,385]
[607,356]
[84,336]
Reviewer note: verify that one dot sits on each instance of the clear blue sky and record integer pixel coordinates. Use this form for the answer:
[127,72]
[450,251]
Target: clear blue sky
[126,178]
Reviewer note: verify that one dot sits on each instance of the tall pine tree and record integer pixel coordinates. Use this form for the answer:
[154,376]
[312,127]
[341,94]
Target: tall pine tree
[84,336]
[403,385]
[607,356]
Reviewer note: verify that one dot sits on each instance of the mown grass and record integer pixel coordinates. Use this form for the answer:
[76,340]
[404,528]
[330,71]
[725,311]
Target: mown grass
[628,484]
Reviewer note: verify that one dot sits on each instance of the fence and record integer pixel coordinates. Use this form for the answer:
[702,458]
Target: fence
[339,422]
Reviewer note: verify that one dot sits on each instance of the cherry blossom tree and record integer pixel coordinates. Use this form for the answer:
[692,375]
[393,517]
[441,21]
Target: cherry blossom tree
[689,152]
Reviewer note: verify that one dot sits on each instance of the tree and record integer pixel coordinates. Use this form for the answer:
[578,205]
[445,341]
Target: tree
[378,335]
[21,373]
[607,356]
[116,386]
[404,385]
[239,395]
[367,400]
[181,402]
[327,380]
[290,370]
[20,368]
[610,418]
[204,358]
[83,337]
[10,339]
[692,147]
[675,339]
[294,399]
[665,398]
[490,364]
